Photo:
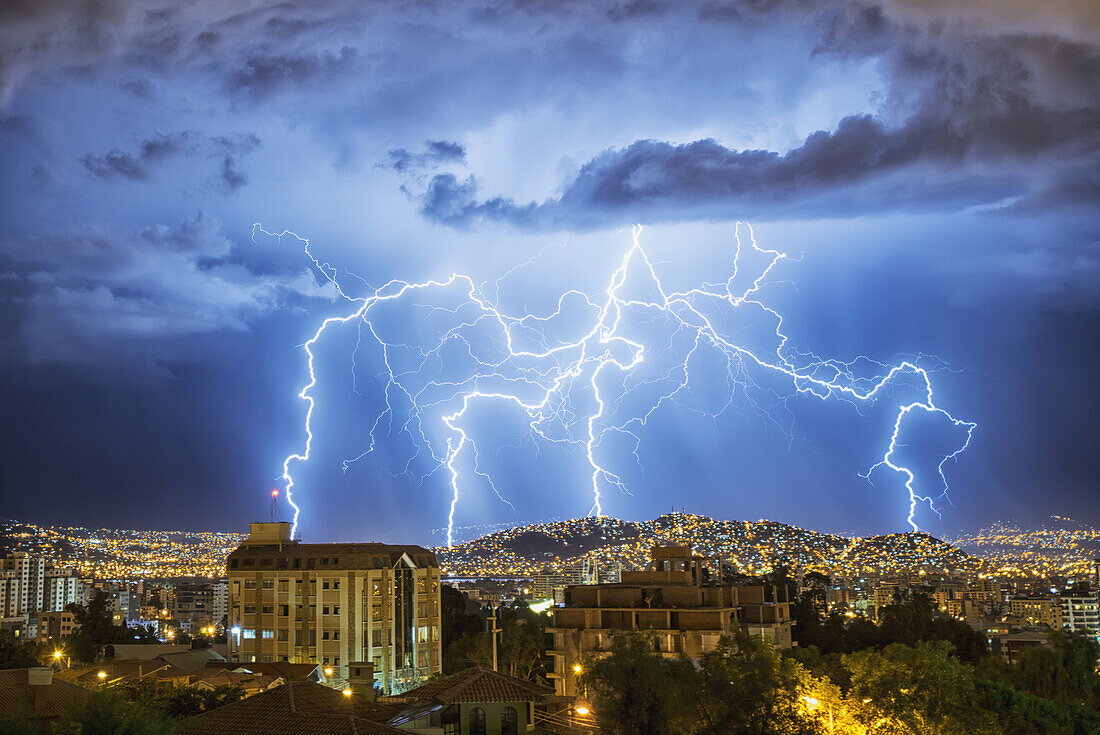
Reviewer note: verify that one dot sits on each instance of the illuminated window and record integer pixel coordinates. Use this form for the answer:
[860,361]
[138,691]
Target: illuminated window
[248,633]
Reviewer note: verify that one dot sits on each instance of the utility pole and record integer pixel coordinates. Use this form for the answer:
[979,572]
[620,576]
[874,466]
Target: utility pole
[493,630]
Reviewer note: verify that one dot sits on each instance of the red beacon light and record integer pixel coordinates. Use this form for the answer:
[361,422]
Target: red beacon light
[274,493]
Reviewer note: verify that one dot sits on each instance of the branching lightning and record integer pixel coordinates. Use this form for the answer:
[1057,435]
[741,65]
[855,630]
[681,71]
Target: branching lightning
[560,385]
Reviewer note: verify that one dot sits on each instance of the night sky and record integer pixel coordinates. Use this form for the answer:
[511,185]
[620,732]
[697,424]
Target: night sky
[932,169]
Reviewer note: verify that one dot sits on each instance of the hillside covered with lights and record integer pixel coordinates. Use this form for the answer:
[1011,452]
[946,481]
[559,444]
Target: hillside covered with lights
[752,547]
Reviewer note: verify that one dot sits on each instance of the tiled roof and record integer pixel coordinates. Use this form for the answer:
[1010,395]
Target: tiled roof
[284,669]
[192,660]
[17,699]
[292,709]
[478,684]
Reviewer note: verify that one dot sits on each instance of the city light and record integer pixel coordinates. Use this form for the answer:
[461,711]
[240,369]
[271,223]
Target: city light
[102,675]
[347,692]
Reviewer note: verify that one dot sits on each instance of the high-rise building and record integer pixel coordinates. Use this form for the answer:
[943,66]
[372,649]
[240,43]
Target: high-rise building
[336,604]
[62,588]
[1081,612]
[194,605]
[677,601]
[220,604]
[23,581]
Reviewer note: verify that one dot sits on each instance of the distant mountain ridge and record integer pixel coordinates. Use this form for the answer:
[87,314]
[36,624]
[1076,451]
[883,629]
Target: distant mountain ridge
[754,547]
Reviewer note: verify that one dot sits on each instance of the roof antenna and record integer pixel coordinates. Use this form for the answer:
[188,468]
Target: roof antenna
[274,513]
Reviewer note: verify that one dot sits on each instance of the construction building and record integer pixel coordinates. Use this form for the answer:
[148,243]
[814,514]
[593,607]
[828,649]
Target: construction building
[679,601]
[337,605]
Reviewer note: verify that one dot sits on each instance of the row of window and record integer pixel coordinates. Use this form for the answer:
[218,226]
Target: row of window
[376,587]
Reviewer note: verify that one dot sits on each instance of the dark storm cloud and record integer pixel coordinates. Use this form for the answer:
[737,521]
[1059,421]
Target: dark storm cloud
[263,76]
[159,150]
[981,111]
[90,295]
[435,152]
[138,166]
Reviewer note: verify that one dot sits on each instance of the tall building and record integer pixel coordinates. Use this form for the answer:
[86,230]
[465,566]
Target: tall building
[220,603]
[336,604]
[194,605]
[675,601]
[23,581]
[1081,612]
[62,588]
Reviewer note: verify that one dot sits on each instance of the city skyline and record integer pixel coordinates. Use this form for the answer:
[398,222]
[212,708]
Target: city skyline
[928,174]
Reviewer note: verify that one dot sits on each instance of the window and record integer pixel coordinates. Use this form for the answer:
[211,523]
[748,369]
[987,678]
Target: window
[324,560]
[421,585]
[324,635]
[451,720]
[324,583]
[324,610]
[376,637]
[376,612]
[284,636]
[335,583]
[248,562]
[233,564]
[269,584]
[284,585]
[335,635]
[269,609]
[250,584]
[266,562]
[477,721]
[268,634]
[376,589]
[297,637]
[335,609]
[248,633]
[284,610]
[509,721]
[249,609]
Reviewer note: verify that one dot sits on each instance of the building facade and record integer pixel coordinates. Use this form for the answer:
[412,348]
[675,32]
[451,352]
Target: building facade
[674,602]
[335,604]
[1081,613]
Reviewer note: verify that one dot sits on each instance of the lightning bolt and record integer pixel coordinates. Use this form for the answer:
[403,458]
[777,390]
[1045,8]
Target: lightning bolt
[551,382]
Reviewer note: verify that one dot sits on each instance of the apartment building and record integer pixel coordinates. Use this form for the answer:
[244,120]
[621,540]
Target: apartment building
[61,588]
[193,605]
[676,601]
[1036,610]
[336,605]
[1081,613]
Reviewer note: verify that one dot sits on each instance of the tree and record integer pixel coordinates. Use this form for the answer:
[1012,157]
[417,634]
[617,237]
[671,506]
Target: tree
[178,701]
[920,689]
[636,691]
[107,712]
[749,689]
[1064,671]
[14,653]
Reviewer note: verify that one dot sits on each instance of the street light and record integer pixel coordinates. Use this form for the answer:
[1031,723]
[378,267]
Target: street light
[577,668]
[102,675]
[347,692]
[583,711]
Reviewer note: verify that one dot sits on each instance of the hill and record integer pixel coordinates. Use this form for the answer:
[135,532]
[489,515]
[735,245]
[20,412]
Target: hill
[754,547]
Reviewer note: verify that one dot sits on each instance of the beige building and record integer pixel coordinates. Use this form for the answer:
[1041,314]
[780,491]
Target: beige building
[56,624]
[674,601]
[335,605]
[1036,610]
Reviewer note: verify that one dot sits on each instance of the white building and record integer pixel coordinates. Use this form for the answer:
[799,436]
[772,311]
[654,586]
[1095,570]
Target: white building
[220,609]
[23,580]
[1081,613]
[62,588]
